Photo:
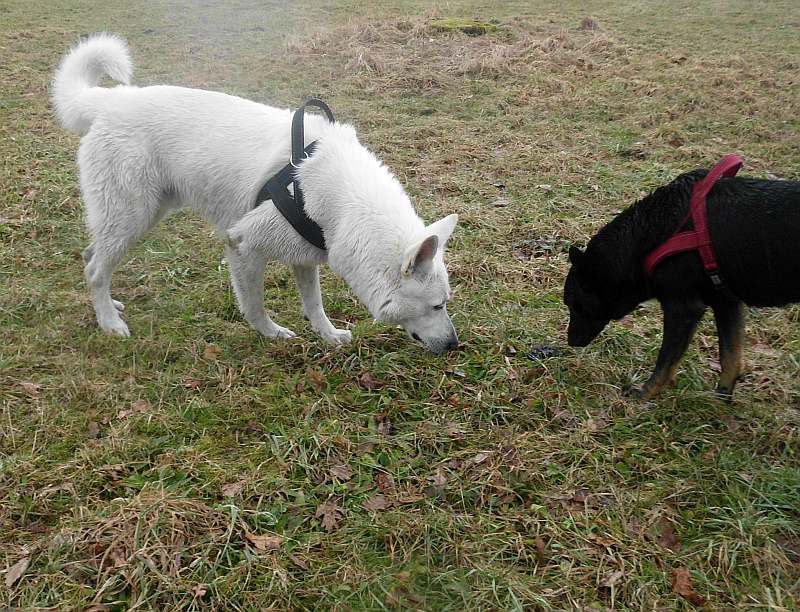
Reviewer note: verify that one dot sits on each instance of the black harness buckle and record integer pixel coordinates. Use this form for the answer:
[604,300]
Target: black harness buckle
[292,207]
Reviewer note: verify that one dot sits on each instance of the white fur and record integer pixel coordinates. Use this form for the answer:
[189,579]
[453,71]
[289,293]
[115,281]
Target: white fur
[146,151]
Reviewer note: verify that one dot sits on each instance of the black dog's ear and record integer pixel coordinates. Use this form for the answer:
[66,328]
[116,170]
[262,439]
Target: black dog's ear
[575,255]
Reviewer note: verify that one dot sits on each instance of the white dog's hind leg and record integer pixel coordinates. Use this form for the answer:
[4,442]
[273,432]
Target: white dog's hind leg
[98,271]
[88,253]
[247,276]
[308,283]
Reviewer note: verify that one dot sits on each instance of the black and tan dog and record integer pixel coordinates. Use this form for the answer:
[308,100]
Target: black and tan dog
[754,227]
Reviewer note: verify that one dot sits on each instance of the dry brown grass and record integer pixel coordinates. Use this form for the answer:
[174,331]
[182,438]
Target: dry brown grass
[403,53]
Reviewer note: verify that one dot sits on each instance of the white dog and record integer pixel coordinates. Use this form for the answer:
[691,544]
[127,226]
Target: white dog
[147,151]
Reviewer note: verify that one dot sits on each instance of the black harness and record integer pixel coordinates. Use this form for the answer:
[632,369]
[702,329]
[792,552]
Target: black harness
[292,207]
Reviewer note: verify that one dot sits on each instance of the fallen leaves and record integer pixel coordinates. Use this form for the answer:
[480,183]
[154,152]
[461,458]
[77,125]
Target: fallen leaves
[480,457]
[385,482]
[94,430]
[667,537]
[233,489]
[212,352]
[369,382]
[377,502]
[140,406]
[611,579]
[342,472]
[192,383]
[31,389]
[17,571]
[682,585]
[437,483]
[330,514]
[264,543]
[540,549]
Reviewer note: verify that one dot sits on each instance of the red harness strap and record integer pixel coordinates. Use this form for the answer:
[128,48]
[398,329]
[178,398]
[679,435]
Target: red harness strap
[697,239]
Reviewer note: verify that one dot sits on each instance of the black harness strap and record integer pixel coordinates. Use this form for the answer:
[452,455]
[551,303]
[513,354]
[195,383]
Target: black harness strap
[292,207]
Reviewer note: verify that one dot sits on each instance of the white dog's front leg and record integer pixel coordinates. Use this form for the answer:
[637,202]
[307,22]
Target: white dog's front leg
[308,283]
[247,275]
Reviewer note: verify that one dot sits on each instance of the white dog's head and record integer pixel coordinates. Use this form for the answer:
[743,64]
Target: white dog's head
[419,300]
[375,239]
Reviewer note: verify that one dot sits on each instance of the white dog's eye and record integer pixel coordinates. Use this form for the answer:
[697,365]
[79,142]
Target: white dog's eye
[438,306]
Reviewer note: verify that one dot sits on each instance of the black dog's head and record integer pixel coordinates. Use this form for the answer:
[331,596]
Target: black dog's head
[595,293]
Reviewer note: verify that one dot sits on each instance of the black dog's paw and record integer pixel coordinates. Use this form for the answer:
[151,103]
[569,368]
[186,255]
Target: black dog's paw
[634,391]
[725,394]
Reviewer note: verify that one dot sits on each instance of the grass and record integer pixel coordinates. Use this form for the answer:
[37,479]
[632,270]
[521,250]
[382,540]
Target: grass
[141,473]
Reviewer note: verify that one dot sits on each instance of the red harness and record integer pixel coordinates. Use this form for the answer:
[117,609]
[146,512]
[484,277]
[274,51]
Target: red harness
[697,239]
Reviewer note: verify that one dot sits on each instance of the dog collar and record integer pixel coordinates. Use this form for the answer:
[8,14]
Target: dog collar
[292,207]
[699,238]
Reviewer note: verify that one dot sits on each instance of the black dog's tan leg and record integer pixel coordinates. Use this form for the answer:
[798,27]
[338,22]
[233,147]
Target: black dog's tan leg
[730,328]
[680,322]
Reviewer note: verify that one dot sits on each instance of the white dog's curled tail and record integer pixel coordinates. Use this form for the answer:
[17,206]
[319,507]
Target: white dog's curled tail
[76,96]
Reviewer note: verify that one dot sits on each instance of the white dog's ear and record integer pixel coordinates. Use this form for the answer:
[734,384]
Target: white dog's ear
[418,258]
[443,228]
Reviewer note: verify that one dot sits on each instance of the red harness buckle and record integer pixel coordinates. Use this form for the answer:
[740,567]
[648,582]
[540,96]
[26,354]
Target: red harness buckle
[699,238]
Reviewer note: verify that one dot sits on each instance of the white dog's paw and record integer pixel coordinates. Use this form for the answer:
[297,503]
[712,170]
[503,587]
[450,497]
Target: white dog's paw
[114,326]
[280,333]
[338,336]
[118,305]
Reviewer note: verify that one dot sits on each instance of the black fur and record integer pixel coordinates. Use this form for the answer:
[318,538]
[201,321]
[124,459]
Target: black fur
[755,230]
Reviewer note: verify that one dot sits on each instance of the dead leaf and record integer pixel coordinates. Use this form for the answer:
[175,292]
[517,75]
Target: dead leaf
[611,579]
[539,549]
[233,489]
[409,498]
[138,407]
[212,352]
[32,389]
[199,591]
[439,479]
[16,571]
[94,430]
[682,585]
[192,383]
[342,472]
[330,514]
[633,527]
[480,457]
[299,562]
[367,381]
[364,448]
[117,557]
[385,482]
[376,502]
[264,542]
[316,379]
[668,538]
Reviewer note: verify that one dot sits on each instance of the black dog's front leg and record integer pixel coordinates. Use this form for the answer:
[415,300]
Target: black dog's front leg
[680,321]
[730,329]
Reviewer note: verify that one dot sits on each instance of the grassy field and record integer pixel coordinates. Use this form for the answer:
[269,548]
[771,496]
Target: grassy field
[197,465]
